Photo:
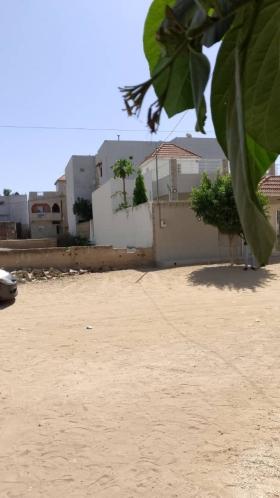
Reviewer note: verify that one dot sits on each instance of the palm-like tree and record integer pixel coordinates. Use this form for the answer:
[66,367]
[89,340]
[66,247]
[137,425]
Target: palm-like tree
[122,169]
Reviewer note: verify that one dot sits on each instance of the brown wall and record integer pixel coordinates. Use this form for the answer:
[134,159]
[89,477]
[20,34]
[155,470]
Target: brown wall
[27,243]
[8,230]
[184,239]
[88,257]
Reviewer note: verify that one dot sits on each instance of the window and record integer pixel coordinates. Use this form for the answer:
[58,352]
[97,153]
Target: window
[99,169]
[55,208]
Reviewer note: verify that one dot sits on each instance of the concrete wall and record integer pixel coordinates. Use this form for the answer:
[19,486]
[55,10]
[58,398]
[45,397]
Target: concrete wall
[43,230]
[179,238]
[132,227]
[60,186]
[8,230]
[27,243]
[189,176]
[112,150]
[80,182]
[14,208]
[89,257]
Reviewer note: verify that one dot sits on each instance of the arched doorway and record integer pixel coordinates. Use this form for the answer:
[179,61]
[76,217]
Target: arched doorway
[56,208]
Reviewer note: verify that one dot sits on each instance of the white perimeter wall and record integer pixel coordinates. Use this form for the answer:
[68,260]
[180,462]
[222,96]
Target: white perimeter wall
[132,227]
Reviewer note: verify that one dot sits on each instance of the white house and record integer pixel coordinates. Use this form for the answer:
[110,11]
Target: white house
[171,172]
[84,174]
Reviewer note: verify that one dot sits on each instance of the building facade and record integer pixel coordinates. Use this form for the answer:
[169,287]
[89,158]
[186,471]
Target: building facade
[171,172]
[14,209]
[47,218]
[84,174]
[80,174]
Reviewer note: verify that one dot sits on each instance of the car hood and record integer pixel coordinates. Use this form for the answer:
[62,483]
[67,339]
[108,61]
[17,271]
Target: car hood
[5,276]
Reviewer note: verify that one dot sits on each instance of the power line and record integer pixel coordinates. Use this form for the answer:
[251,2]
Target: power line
[84,128]
[176,126]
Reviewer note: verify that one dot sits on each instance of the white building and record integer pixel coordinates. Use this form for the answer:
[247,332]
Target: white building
[171,172]
[80,176]
[84,174]
[112,150]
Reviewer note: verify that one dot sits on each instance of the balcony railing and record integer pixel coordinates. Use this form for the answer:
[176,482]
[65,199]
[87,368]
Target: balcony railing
[45,216]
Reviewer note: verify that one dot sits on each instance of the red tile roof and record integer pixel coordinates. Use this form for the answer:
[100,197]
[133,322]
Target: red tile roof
[61,179]
[270,185]
[171,151]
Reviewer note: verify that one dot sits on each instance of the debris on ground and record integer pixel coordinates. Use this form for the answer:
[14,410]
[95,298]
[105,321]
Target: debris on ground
[31,275]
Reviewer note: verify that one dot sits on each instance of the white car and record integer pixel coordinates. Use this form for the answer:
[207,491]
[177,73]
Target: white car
[8,286]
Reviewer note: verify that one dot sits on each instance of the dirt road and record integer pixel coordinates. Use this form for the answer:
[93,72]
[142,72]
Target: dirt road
[173,392]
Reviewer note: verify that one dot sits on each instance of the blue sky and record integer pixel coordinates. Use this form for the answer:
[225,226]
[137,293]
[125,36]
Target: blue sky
[62,62]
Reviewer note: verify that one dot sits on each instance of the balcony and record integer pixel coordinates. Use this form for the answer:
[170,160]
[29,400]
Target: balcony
[45,217]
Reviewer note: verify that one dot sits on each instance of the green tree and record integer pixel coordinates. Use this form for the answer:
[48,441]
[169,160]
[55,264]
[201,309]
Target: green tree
[7,192]
[245,101]
[139,193]
[83,209]
[213,202]
[122,169]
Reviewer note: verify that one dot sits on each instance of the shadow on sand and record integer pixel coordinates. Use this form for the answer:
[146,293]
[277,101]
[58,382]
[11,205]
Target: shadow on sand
[231,277]
[6,304]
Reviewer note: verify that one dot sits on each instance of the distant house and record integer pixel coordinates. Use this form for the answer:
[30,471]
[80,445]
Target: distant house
[48,212]
[166,223]
[112,150]
[14,209]
[171,172]
[270,186]
[84,174]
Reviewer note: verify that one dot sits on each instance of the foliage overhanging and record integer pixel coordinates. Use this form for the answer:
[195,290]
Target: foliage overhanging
[245,100]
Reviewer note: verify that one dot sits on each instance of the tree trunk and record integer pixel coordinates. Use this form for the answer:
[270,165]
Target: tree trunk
[124,191]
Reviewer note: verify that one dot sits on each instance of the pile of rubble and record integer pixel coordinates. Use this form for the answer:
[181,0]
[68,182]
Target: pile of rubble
[29,275]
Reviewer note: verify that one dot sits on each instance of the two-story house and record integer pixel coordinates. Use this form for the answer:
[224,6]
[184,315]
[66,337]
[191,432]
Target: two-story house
[48,212]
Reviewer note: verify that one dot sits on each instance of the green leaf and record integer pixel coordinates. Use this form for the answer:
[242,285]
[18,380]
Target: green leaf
[199,71]
[262,77]
[154,19]
[222,90]
[173,86]
[258,231]
[259,158]
[223,87]
[249,160]
[216,32]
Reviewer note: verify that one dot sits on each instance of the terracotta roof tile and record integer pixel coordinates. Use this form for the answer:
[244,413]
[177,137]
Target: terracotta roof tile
[61,179]
[270,185]
[172,151]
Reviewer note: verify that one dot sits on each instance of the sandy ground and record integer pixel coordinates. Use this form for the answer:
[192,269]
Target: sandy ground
[174,392]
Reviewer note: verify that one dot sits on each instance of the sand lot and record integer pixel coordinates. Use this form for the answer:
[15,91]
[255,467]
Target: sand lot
[174,392]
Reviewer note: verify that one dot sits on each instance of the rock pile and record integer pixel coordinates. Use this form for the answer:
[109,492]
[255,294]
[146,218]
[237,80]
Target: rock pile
[30,275]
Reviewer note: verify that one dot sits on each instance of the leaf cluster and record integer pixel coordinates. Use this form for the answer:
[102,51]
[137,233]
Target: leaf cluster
[245,101]
[122,168]
[213,202]
[83,208]
[139,193]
